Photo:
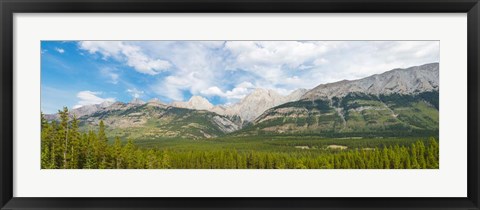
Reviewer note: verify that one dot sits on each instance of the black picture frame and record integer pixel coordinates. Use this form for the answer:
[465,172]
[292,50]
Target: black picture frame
[10,7]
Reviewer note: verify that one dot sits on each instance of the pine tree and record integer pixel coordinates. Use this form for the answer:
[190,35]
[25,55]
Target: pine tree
[47,137]
[139,159]
[432,154]
[74,147]
[166,160]
[102,150]
[421,155]
[386,158]
[91,157]
[117,152]
[414,158]
[151,159]
[396,157]
[63,137]
[83,150]
[127,154]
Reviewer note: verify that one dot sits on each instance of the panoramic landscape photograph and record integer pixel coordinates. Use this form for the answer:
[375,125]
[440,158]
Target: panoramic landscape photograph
[240,104]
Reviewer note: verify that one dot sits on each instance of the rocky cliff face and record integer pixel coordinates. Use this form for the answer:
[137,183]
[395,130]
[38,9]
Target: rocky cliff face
[261,100]
[255,104]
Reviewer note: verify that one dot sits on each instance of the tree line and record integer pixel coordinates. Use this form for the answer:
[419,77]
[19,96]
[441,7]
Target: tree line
[64,146]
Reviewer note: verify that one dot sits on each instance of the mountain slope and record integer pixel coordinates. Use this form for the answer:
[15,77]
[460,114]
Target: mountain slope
[397,102]
[353,115]
[156,120]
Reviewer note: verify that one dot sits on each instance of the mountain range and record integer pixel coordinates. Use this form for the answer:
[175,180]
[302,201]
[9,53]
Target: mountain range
[396,102]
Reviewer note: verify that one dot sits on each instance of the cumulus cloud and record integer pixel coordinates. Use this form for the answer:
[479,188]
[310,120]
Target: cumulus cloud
[292,54]
[111,74]
[294,80]
[273,61]
[60,50]
[173,86]
[303,67]
[213,91]
[135,93]
[239,92]
[131,55]
[320,61]
[89,97]
[198,66]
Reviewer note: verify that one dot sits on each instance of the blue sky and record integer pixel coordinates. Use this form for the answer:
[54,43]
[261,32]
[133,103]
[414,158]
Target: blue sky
[78,73]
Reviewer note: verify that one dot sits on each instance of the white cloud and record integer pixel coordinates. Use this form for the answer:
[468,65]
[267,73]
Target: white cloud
[245,85]
[239,92]
[213,91]
[320,61]
[293,80]
[198,66]
[173,86]
[291,54]
[131,55]
[303,67]
[60,50]
[273,61]
[111,74]
[89,97]
[135,93]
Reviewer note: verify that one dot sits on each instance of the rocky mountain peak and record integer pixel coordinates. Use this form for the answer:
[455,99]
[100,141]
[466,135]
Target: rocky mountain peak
[106,104]
[154,100]
[137,101]
[199,102]
[254,104]
[156,103]
[261,94]
[195,102]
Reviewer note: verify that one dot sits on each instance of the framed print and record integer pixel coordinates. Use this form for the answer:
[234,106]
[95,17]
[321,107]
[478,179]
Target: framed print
[239,105]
